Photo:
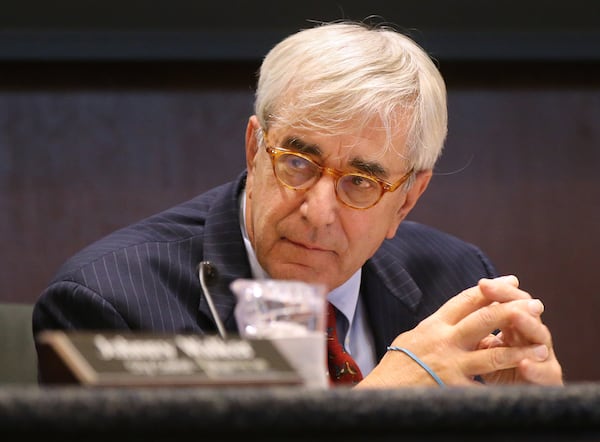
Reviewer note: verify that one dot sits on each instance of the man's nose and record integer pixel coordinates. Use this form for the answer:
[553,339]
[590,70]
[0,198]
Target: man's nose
[320,203]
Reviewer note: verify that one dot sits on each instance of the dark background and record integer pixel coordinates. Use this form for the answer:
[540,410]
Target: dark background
[111,111]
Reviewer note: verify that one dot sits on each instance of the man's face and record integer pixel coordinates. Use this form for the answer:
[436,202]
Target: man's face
[309,235]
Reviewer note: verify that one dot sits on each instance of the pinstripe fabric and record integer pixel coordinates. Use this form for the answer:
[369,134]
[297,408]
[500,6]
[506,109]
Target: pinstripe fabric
[144,277]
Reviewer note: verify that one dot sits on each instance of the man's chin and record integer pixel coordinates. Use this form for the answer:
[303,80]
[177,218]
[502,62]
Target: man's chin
[300,272]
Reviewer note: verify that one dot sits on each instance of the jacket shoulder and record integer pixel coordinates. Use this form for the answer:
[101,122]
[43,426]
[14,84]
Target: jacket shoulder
[180,224]
[423,249]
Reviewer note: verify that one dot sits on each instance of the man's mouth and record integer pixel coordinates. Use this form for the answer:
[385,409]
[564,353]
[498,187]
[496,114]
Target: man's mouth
[311,247]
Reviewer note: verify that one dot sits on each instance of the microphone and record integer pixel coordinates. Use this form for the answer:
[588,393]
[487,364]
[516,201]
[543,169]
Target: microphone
[208,274]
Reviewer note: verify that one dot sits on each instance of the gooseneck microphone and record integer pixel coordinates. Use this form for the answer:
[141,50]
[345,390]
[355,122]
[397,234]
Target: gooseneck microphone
[208,273]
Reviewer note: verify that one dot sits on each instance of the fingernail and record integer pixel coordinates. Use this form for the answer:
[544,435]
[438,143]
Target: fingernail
[541,352]
[535,307]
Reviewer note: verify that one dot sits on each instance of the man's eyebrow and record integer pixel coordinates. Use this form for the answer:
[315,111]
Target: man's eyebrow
[302,146]
[369,168]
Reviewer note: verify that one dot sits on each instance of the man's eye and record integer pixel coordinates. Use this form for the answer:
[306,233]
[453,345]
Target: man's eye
[361,182]
[297,163]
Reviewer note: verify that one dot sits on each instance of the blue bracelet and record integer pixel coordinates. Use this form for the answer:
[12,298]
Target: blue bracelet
[415,358]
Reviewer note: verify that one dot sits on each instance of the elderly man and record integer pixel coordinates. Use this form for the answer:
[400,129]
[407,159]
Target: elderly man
[349,122]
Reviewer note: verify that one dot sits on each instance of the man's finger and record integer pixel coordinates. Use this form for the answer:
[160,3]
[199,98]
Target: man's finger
[545,373]
[520,318]
[501,289]
[494,359]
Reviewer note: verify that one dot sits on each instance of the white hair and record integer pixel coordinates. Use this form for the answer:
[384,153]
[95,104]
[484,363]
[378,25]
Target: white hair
[347,74]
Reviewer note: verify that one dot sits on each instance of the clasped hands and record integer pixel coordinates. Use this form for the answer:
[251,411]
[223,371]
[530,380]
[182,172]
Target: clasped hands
[493,332]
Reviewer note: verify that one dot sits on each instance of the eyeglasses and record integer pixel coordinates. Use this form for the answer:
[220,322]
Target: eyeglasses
[299,172]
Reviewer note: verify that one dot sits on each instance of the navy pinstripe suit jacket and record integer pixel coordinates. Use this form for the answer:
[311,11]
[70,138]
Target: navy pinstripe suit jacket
[144,277]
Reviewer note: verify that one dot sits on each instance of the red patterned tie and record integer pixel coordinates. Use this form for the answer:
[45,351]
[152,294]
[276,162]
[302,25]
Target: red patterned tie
[342,368]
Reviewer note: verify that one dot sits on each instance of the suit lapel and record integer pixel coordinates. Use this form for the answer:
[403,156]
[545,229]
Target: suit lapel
[224,248]
[391,296]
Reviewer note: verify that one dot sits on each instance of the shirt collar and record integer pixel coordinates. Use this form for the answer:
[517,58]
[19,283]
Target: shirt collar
[345,297]
[257,271]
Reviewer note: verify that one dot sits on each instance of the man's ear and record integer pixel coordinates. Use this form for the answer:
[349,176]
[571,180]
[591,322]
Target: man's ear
[251,150]
[251,143]
[419,185]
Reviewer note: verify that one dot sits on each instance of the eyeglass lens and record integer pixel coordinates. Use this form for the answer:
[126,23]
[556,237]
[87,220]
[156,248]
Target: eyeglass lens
[300,173]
